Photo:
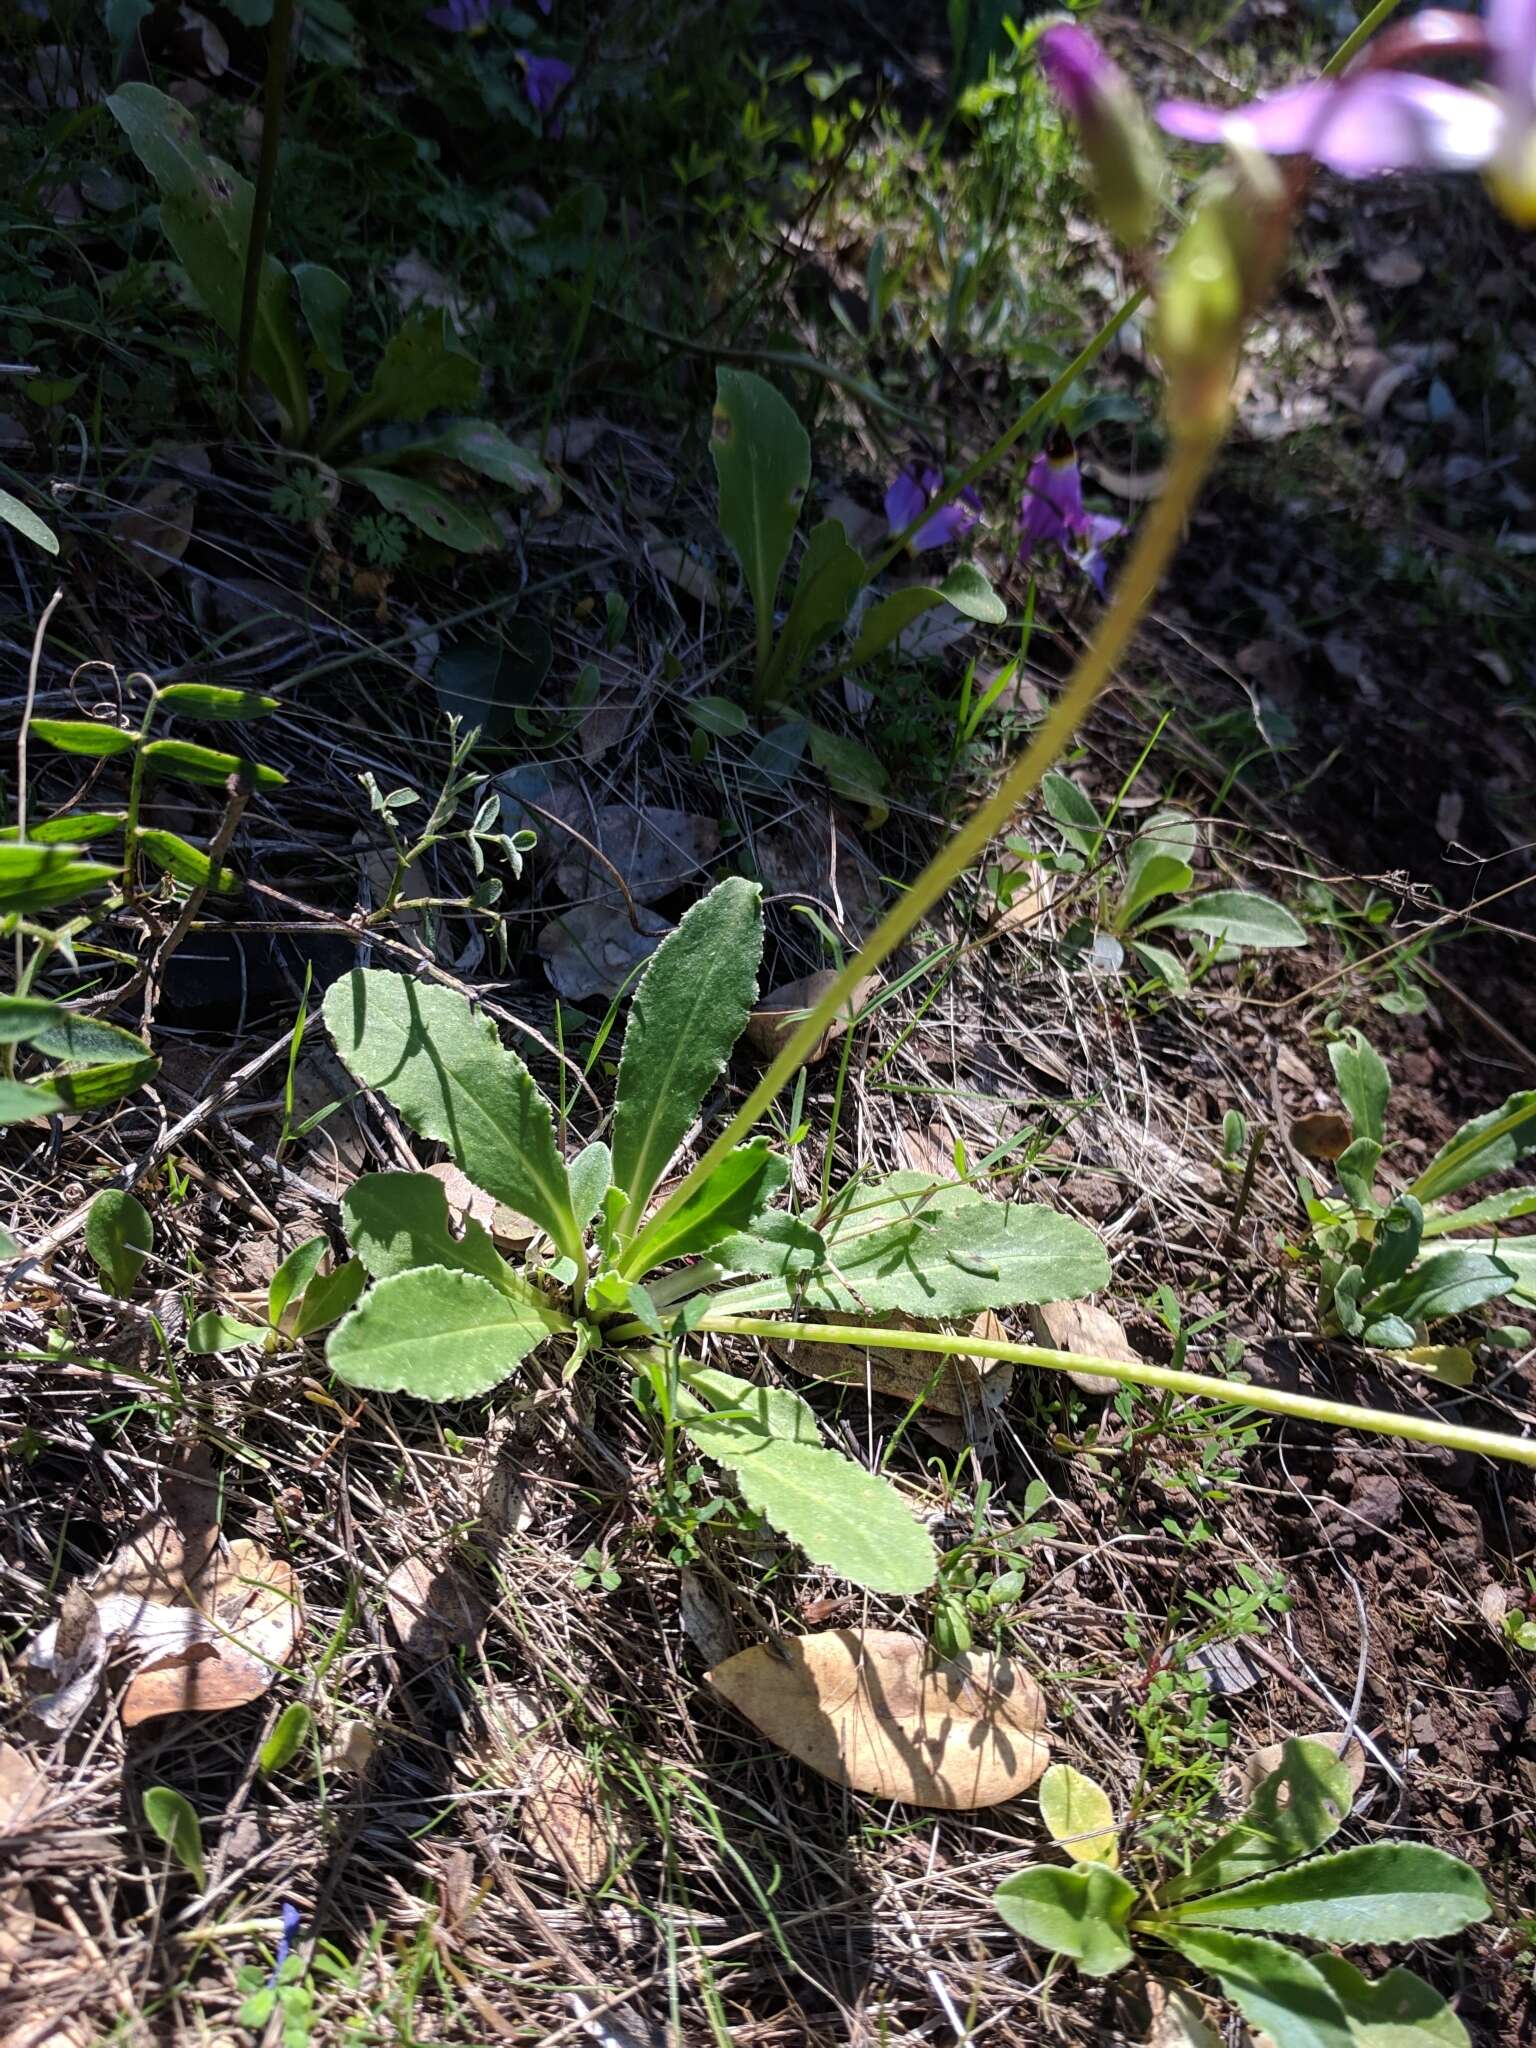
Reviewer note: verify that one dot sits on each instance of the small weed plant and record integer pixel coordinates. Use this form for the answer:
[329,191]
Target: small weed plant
[1261,1879]
[1393,1266]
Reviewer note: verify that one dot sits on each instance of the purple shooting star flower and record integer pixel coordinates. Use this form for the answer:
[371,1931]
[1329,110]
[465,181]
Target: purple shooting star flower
[911,491]
[292,1920]
[1379,119]
[544,80]
[462,17]
[1052,513]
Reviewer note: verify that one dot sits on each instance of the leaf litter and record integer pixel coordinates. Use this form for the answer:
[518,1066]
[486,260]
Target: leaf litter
[875,1711]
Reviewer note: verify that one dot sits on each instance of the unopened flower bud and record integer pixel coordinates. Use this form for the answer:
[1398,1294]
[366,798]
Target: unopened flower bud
[1125,156]
[1200,307]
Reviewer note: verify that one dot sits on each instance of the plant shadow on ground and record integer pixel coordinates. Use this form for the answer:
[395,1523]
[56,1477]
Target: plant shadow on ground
[1330,713]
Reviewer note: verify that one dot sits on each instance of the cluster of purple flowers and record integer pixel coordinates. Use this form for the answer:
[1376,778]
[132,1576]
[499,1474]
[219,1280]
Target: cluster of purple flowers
[544,78]
[1051,511]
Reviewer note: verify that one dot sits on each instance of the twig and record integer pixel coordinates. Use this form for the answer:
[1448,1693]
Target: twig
[1231,1242]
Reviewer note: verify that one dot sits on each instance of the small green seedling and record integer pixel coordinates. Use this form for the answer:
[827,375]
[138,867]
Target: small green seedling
[448,1319]
[119,1237]
[982,1578]
[206,213]
[1389,1270]
[1158,863]
[173,1818]
[301,1302]
[1260,1879]
[484,832]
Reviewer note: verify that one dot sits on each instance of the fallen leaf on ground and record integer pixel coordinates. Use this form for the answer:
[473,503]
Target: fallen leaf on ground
[705,1622]
[1452,1364]
[931,1151]
[686,571]
[350,1750]
[1078,1816]
[1262,1762]
[1091,1331]
[654,850]
[23,1789]
[782,1010]
[1493,1603]
[67,1661]
[1323,1134]
[156,530]
[952,1385]
[873,1711]
[574,440]
[565,1819]
[1395,269]
[1028,904]
[593,949]
[1177,2021]
[505,1225]
[434,1609]
[241,1632]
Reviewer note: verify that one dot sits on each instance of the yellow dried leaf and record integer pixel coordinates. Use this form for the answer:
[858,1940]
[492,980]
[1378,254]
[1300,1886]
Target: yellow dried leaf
[1078,1816]
[873,1710]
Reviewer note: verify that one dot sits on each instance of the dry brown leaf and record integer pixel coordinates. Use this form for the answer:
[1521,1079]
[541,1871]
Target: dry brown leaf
[434,1609]
[157,529]
[686,571]
[573,441]
[931,1152]
[1091,1331]
[781,1011]
[870,1709]
[1177,2021]
[1397,269]
[706,1624]
[350,1750]
[952,1386]
[1253,1769]
[66,1661]
[564,1819]
[654,850]
[247,1616]
[1493,1603]
[23,1789]
[594,949]
[604,727]
[1323,1134]
[506,1226]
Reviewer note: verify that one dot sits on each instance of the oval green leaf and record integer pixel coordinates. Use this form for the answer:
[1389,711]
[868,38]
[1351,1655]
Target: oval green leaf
[439,1335]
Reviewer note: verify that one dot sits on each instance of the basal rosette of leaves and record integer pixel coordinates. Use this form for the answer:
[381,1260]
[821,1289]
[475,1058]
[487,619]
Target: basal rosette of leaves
[1389,1269]
[1262,1878]
[446,1317]
[206,210]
